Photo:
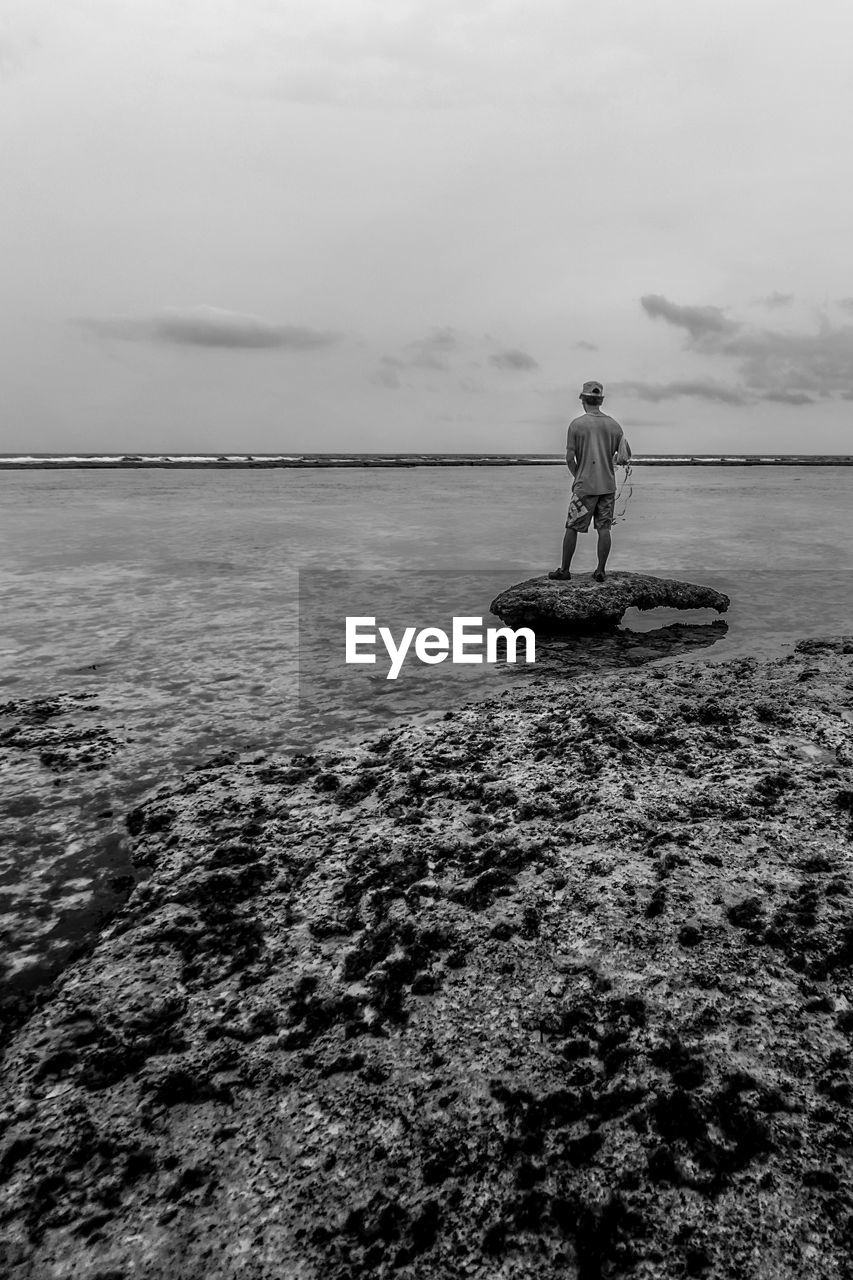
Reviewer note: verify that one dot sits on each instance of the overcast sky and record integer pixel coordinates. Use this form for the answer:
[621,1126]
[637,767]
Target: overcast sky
[421,224]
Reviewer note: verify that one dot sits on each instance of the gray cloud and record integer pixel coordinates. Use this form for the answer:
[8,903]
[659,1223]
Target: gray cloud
[433,351]
[772,364]
[788,397]
[701,323]
[513,359]
[434,354]
[713,391]
[772,361]
[388,373]
[209,327]
[451,354]
[698,389]
[846,303]
[773,301]
[583,345]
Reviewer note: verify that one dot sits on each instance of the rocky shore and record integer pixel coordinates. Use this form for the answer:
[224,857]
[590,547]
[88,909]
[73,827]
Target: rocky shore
[560,986]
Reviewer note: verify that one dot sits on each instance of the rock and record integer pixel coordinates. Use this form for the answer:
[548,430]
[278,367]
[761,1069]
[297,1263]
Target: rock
[583,604]
[825,644]
[479,1060]
[690,933]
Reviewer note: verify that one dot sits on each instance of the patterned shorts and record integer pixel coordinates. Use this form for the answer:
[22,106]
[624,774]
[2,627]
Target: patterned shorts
[582,510]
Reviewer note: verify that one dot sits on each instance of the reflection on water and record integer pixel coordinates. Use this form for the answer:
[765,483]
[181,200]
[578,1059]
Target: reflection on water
[335,695]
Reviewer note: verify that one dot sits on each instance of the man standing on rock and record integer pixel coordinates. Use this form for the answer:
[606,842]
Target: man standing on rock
[594,446]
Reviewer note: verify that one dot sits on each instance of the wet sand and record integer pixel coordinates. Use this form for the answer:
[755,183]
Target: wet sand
[560,985]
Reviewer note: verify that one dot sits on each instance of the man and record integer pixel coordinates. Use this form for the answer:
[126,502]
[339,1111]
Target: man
[594,445]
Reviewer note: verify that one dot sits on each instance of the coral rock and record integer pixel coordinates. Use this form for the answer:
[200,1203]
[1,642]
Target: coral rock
[582,604]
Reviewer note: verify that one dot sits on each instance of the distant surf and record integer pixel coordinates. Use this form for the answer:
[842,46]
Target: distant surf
[46,461]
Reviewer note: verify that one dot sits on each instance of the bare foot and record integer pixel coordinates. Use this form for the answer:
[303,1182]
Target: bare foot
[599,575]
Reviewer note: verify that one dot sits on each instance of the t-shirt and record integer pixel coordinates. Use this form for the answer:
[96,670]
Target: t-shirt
[593,439]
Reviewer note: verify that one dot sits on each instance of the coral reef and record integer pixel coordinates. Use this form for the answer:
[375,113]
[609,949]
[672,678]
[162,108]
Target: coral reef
[558,986]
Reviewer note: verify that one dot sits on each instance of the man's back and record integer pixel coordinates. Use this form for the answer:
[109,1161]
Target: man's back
[593,439]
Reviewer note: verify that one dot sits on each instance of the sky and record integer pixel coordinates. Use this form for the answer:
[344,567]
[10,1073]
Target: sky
[421,225]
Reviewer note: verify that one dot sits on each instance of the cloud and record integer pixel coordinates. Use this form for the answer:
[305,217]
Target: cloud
[786,366]
[583,345]
[388,373]
[433,351]
[773,301]
[715,392]
[513,359]
[775,361]
[702,323]
[209,327]
[698,389]
[788,397]
[457,358]
[846,303]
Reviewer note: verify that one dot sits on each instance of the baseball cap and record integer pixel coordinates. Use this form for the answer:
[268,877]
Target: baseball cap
[592,389]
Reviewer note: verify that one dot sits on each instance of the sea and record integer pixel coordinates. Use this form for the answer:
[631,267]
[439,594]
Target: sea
[186,614]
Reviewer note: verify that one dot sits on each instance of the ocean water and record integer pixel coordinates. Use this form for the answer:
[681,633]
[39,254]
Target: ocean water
[170,599]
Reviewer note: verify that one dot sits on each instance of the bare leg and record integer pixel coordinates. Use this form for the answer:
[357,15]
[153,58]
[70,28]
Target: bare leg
[604,544]
[570,541]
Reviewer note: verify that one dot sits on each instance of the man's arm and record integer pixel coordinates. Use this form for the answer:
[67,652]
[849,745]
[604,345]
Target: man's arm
[622,456]
[571,460]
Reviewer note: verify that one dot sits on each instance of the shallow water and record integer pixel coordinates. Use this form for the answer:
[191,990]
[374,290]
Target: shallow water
[172,597]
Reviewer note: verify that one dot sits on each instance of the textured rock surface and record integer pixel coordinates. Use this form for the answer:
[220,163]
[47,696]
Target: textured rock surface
[63,868]
[560,987]
[582,603]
